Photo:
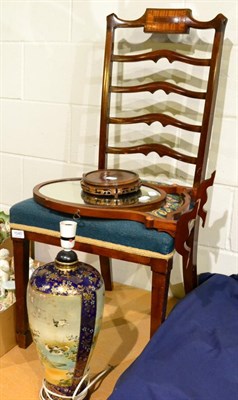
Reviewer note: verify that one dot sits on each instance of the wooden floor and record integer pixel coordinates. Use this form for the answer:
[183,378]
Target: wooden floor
[124,333]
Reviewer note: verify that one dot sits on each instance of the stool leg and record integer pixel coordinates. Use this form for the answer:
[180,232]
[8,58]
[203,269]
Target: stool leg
[21,266]
[159,293]
[106,271]
[190,270]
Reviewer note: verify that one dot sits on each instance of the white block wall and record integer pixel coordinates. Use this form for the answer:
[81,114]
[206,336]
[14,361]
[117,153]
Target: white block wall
[51,70]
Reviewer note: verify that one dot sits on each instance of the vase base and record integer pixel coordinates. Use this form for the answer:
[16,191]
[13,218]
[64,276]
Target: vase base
[46,394]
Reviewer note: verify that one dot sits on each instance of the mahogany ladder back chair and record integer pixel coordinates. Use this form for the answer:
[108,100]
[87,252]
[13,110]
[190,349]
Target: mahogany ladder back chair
[181,99]
[125,238]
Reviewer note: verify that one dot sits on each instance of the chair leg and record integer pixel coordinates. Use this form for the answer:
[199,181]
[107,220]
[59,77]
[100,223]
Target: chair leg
[21,267]
[190,270]
[106,271]
[159,293]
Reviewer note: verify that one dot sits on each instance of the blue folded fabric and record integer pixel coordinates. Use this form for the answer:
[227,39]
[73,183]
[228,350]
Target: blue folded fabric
[122,232]
[194,354]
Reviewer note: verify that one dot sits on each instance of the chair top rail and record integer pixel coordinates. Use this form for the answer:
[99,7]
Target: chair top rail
[168,20]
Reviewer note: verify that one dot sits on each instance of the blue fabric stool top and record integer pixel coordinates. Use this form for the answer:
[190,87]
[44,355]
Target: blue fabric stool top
[194,354]
[29,213]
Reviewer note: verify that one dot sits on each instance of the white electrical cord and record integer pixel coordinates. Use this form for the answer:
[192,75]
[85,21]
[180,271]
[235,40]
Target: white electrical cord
[45,393]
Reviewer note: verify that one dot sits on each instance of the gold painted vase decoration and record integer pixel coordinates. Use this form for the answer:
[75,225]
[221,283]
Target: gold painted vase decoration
[65,300]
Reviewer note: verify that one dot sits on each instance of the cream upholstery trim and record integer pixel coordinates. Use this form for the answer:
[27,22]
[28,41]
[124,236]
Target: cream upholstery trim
[99,243]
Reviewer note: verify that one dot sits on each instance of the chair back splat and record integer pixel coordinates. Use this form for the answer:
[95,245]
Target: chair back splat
[159,90]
